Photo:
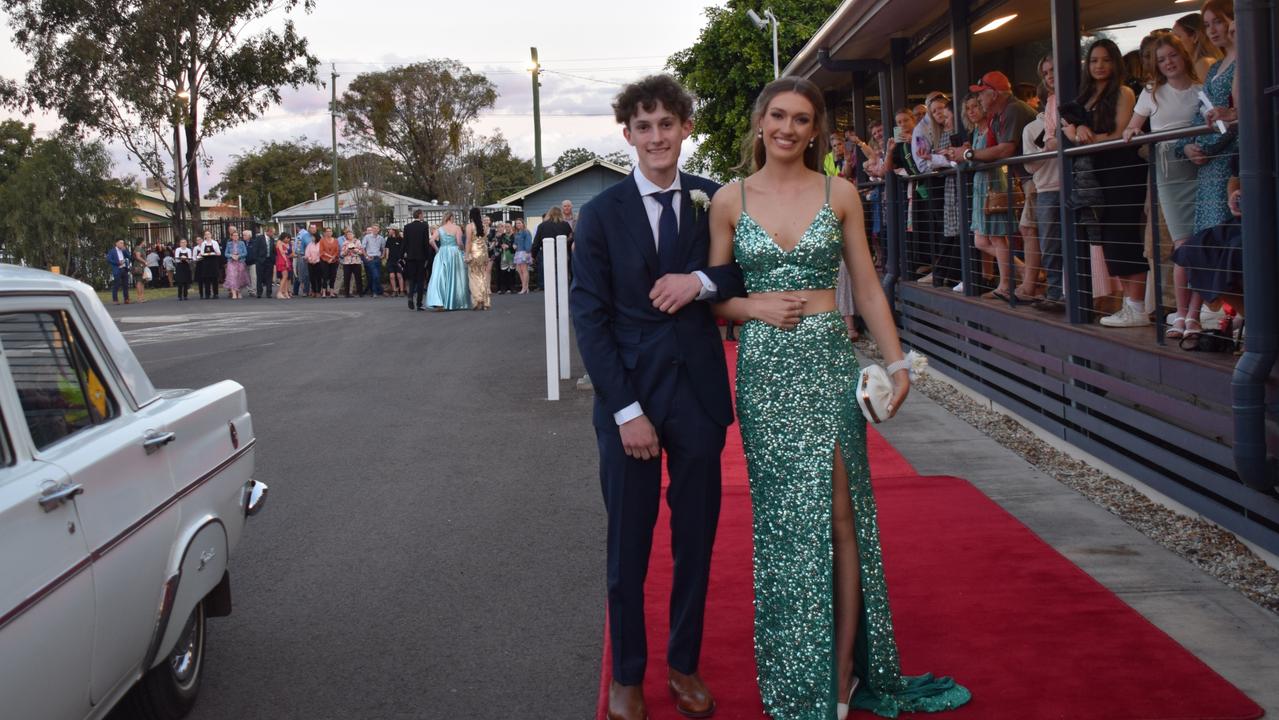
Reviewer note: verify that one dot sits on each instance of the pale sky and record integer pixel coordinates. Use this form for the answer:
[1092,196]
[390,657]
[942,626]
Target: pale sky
[587,50]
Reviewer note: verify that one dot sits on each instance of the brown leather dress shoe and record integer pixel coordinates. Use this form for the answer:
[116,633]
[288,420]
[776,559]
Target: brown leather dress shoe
[626,702]
[692,699]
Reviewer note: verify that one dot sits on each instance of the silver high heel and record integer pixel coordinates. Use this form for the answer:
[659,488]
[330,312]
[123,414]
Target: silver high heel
[841,709]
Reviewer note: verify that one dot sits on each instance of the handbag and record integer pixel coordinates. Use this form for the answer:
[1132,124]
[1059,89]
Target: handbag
[875,385]
[997,201]
[146,274]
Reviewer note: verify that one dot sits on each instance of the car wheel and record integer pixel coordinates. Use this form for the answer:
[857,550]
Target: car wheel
[168,690]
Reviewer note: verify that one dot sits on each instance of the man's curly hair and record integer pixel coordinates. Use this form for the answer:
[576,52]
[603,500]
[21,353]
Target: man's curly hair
[647,93]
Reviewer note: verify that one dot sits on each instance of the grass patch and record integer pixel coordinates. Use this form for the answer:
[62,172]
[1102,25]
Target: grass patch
[151,295]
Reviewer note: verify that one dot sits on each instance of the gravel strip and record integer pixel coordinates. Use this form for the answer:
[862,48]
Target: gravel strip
[1207,546]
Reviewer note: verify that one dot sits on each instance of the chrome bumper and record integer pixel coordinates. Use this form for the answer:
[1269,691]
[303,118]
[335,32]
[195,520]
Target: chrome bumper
[254,497]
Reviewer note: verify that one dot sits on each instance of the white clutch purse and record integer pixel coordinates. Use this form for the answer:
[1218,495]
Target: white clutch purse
[875,385]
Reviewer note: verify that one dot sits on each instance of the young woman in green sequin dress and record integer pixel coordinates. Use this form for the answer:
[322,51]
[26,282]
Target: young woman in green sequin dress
[823,629]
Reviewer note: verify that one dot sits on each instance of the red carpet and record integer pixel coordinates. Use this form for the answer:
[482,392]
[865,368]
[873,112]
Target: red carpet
[975,594]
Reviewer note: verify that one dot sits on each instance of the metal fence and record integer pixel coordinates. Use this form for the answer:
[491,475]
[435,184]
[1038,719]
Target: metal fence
[1130,395]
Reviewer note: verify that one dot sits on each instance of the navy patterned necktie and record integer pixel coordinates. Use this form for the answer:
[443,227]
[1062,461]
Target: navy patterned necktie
[667,232]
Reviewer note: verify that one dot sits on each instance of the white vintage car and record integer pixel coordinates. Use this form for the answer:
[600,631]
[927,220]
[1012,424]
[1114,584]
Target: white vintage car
[120,505]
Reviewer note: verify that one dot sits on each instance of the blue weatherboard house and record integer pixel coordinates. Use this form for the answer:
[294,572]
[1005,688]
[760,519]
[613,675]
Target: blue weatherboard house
[578,184]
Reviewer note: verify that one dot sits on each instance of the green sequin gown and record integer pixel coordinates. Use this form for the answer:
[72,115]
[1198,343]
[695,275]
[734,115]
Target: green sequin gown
[795,402]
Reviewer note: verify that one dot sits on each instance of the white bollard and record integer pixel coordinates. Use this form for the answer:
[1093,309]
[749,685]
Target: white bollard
[550,307]
[561,276]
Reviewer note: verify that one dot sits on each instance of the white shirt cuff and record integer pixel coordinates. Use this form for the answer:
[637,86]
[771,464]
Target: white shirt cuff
[628,413]
[708,288]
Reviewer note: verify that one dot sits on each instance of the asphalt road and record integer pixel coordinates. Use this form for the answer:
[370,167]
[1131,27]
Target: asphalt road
[433,543]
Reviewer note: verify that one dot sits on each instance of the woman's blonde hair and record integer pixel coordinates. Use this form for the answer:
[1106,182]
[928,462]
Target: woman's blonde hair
[753,155]
[555,214]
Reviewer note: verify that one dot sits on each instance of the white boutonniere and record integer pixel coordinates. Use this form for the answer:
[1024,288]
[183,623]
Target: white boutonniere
[700,200]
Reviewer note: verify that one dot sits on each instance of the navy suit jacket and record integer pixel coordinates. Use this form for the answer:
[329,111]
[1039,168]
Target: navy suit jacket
[633,351]
[113,260]
[260,251]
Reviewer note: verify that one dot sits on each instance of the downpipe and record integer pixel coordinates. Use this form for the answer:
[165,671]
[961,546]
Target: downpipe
[1261,294]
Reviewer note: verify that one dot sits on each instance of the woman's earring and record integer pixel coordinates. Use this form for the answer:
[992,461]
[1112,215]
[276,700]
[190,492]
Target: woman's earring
[760,133]
[811,141]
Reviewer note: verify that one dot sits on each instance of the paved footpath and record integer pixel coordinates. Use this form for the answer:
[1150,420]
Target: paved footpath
[432,545]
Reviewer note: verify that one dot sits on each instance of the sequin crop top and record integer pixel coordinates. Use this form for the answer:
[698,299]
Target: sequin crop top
[813,264]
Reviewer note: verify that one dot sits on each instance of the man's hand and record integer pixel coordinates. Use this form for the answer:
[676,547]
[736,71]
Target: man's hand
[674,291]
[1196,154]
[639,439]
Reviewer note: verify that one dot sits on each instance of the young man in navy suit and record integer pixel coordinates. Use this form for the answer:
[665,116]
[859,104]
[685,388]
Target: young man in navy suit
[654,355]
[119,260]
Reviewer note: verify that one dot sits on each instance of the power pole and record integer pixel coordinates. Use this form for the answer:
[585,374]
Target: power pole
[333,121]
[536,70]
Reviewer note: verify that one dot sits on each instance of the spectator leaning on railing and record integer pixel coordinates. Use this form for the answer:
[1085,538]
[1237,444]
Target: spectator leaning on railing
[1100,113]
[1213,256]
[1170,103]
[1040,135]
[1006,117]
[929,143]
[1212,150]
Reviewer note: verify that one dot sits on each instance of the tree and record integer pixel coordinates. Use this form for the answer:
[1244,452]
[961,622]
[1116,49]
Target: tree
[153,74]
[728,66]
[62,207]
[366,167]
[16,140]
[573,157]
[418,116]
[496,170]
[276,175]
[618,157]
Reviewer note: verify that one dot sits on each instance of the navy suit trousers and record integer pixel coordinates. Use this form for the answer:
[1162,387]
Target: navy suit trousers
[691,442]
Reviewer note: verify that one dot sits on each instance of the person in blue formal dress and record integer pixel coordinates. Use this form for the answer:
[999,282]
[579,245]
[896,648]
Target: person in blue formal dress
[654,354]
[449,287]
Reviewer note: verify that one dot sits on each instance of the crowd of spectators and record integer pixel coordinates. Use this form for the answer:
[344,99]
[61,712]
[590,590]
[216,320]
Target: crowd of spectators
[502,257]
[1013,210]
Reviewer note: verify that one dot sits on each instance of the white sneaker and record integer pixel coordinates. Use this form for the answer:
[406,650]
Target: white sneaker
[958,288]
[1128,316]
[926,280]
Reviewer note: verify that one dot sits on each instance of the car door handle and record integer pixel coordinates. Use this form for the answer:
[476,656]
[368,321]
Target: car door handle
[52,498]
[156,440]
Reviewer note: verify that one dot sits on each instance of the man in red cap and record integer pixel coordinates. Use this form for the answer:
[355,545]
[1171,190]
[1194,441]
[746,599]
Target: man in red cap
[1008,116]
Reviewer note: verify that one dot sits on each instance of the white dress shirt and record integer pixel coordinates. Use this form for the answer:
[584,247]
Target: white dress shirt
[648,191]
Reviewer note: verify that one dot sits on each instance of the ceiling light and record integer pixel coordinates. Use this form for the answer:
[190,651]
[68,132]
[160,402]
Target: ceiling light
[995,24]
[942,55]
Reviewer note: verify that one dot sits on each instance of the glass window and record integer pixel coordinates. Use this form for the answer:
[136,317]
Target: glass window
[60,390]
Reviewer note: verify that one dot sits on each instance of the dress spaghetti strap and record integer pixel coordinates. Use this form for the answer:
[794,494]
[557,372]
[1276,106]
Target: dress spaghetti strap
[828,189]
[742,183]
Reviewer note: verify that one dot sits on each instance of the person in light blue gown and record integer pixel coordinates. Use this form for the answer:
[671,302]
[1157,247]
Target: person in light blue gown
[448,289]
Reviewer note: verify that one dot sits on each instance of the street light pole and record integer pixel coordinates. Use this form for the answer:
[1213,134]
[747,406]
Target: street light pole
[179,211]
[535,68]
[769,14]
[333,121]
[762,22]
